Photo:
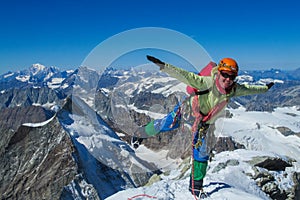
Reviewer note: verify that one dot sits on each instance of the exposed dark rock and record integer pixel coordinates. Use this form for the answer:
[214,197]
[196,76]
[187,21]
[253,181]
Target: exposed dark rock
[266,180]
[102,105]
[12,118]
[274,164]
[296,189]
[272,189]
[263,178]
[145,100]
[180,145]
[37,163]
[222,165]
[227,144]
[23,97]
[286,131]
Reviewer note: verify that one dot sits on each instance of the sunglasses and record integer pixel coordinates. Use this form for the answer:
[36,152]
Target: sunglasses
[225,75]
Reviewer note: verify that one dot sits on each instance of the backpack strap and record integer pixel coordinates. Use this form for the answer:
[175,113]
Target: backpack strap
[201,92]
[215,110]
[199,116]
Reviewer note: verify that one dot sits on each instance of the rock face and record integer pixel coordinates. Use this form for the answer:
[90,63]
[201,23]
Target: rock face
[296,180]
[221,166]
[28,96]
[37,163]
[41,160]
[286,131]
[110,165]
[227,144]
[275,164]
[265,169]
[12,118]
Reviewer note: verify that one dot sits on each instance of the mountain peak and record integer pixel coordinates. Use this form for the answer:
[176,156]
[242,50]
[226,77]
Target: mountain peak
[36,68]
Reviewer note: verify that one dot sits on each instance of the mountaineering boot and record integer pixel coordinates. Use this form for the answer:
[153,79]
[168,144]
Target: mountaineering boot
[203,194]
[195,188]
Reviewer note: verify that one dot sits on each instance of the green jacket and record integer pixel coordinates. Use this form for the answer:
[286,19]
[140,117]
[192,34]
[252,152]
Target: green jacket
[213,97]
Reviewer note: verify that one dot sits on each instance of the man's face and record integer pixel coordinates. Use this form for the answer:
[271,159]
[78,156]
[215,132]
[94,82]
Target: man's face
[226,79]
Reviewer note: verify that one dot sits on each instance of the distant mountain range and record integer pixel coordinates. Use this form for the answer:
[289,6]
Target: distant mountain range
[285,75]
[39,76]
[66,134]
[40,79]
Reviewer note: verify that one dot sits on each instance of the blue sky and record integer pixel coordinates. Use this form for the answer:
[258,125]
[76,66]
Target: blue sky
[258,34]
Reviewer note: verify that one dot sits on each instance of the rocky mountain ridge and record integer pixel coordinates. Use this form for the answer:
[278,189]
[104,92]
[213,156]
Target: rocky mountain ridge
[104,104]
[45,160]
[39,80]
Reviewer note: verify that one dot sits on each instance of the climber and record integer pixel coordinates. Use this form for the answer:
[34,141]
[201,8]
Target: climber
[214,93]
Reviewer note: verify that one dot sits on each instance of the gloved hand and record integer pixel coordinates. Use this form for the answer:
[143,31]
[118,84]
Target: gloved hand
[269,85]
[156,61]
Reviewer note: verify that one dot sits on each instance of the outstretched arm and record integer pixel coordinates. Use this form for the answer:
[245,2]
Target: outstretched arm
[243,90]
[189,78]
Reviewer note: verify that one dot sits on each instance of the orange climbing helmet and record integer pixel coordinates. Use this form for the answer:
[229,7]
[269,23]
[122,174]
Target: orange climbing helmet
[228,64]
